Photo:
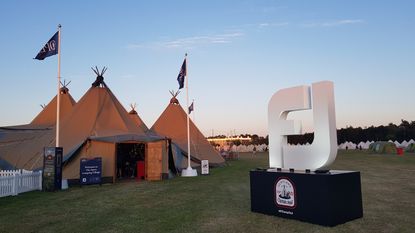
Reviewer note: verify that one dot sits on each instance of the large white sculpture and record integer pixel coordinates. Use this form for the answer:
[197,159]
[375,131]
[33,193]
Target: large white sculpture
[322,152]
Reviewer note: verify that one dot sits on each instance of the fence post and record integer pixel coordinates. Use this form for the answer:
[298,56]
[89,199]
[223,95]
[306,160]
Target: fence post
[14,185]
[40,180]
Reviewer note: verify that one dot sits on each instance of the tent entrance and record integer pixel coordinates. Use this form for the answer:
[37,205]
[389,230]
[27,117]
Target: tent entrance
[129,156]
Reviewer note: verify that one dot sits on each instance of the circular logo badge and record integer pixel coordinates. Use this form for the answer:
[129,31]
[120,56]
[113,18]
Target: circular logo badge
[285,193]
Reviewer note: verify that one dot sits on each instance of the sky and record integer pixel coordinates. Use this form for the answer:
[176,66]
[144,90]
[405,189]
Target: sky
[239,54]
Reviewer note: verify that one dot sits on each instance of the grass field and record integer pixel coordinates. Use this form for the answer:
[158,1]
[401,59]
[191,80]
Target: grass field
[219,202]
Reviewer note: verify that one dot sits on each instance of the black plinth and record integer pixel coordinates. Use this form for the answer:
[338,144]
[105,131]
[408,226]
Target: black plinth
[326,199]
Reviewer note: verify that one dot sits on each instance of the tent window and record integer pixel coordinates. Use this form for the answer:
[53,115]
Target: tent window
[128,155]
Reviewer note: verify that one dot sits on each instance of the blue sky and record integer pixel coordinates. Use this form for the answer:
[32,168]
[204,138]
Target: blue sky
[240,53]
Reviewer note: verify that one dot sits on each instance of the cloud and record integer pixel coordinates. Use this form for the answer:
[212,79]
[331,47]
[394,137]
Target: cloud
[190,42]
[334,23]
[266,25]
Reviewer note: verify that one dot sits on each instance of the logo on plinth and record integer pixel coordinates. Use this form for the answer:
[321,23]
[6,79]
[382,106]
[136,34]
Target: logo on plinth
[285,193]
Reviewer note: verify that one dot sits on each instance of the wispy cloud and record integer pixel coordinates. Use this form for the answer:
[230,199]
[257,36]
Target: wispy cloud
[191,42]
[268,25]
[334,23]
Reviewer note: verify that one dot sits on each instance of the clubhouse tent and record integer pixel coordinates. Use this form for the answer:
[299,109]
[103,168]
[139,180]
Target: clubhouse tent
[97,126]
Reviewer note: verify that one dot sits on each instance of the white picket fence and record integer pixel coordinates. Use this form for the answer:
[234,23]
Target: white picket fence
[13,182]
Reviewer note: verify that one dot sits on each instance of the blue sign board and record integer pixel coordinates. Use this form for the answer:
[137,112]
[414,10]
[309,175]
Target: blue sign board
[90,171]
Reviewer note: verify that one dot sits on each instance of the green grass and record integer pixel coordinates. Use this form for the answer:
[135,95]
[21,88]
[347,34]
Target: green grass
[219,202]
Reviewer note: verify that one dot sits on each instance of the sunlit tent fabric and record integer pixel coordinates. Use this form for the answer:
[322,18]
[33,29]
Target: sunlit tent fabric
[21,146]
[98,116]
[95,124]
[383,147]
[140,123]
[47,117]
[172,124]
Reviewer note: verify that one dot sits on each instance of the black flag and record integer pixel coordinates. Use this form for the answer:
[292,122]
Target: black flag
[191,108]
[50,48]
[182,74]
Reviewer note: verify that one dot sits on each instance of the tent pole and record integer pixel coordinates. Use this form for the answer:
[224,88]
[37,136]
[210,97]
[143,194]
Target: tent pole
[58,104]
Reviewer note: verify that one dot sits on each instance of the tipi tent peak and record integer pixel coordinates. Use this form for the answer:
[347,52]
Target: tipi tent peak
[47,117]
[173,99]
[64,89]
[100,77]
[133,107]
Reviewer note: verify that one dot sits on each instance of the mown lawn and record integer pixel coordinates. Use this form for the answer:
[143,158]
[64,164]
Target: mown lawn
[219,202]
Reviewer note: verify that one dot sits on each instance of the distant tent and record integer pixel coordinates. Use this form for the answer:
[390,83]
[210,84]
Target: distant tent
[262,147]
[47,117]
[383,147]
[172,124]
[397,144]
[242,148]
[347,145]
[364,145]
[410,148]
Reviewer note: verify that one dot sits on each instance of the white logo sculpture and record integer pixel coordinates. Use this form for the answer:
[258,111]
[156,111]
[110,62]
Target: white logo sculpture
[322,152]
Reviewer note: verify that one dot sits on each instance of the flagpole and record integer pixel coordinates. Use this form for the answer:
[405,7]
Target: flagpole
[189,171]
[58,104]
[187,107]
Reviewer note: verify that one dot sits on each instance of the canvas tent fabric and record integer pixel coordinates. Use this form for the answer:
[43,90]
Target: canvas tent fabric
[98,115]
[22,146]
[47,117]
[138,121]
[172,123]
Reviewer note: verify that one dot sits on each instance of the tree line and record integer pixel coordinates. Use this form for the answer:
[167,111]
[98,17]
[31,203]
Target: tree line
[404,131]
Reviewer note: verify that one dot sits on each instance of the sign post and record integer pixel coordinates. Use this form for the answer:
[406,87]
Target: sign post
[52,169]
[205,167]
[90,171]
